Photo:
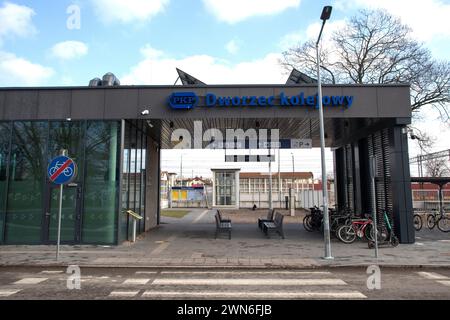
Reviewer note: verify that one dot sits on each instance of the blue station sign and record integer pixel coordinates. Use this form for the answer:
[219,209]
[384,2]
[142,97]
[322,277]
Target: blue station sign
[188,100]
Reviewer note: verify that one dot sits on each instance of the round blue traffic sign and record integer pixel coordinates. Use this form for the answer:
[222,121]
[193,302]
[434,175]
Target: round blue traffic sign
[61,170]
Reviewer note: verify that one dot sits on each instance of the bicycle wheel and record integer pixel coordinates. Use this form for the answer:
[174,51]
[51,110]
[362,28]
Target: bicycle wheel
[369,233]
[307,223]
[346,234]
[431,221]
[417,222]
[394,241]
[443,224]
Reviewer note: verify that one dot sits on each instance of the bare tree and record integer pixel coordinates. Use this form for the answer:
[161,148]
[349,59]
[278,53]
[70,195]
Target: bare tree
[374,47]
[437,167]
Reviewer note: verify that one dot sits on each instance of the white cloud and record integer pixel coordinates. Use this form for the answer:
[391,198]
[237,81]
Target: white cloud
[68,50]
[149,52]
[232,47]
[129,10]
[159,68]
[16,71]
[16,20]
[233,11]
[311,33]
[427,18]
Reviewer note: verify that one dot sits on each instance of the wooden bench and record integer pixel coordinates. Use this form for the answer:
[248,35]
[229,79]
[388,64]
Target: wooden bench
[222,226]
[269,218]
[276,225]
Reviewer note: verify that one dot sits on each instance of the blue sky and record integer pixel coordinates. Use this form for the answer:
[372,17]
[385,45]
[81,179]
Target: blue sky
[218,41]
[233,38]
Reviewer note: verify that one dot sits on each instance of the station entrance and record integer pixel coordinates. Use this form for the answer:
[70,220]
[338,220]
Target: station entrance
[118,132]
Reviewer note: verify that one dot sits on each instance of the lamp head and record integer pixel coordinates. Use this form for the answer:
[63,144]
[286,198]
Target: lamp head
[326,13]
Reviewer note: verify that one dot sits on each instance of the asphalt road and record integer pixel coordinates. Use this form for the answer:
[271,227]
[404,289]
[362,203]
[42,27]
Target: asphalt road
[184,284]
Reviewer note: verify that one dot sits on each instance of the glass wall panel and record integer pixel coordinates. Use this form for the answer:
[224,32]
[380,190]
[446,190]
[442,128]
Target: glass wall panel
[225,189]
[133,177]
[5,137]
[101,182]
[65,135]
[132,173]
[27,172]
[125,183]
[137,203]
[142,183]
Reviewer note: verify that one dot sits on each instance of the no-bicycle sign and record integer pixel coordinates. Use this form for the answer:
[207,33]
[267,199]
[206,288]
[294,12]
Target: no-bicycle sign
[62,170]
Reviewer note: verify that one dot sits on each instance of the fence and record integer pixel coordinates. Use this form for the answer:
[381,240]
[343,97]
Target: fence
[303,199]
[428,199]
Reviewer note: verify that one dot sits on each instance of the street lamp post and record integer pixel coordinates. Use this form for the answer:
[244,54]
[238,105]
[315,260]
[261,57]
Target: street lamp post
[326,13]
[292,190]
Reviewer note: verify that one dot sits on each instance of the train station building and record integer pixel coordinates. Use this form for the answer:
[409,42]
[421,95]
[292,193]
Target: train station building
[116,133]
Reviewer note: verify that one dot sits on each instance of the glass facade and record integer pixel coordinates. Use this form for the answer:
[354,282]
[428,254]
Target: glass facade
[225,188]
[5,133]
[29,202]
[133,177]
[101,182]
[27,166]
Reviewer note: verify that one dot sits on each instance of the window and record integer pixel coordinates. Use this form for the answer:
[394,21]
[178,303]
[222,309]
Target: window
[101,182]
[26,182]
[5,136]
[225,188]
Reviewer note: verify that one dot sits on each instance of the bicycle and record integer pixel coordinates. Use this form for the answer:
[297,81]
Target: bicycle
[358,227]
[432,219]
[417,219]
[313,221]
[339,220]
[443,223]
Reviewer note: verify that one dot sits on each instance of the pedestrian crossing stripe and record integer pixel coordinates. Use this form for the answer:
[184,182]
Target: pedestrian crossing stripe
[248,282]
[432,275]
[30,281]
[255,295]
[248,272]
[127,294]
[7,292]
[136,281]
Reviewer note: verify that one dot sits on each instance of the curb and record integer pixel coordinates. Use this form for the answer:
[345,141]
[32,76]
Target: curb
[242,267]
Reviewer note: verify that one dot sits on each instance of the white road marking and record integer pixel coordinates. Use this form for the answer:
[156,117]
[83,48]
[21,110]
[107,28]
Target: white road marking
[51,272]
[249,282]
[246,272]
[254,295]
[444,282]
[136,281]
[7,293]
[419,243]
[30,280]
[432,275]
[146,272]
[163,246]
[200,216]
[444,240]
[127,294]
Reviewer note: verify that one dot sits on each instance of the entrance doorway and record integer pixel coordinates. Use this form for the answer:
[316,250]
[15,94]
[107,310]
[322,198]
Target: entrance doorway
[70,214]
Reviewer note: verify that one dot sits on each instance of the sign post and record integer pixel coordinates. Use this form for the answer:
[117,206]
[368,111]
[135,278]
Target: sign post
[61,170]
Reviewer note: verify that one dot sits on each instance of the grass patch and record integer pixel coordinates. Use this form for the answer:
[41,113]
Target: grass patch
[174,213]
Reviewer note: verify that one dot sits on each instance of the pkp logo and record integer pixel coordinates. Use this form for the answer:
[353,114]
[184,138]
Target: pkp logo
[183,100]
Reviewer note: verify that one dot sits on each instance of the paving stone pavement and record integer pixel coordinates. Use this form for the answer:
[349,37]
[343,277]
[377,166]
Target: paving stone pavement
[190,242]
